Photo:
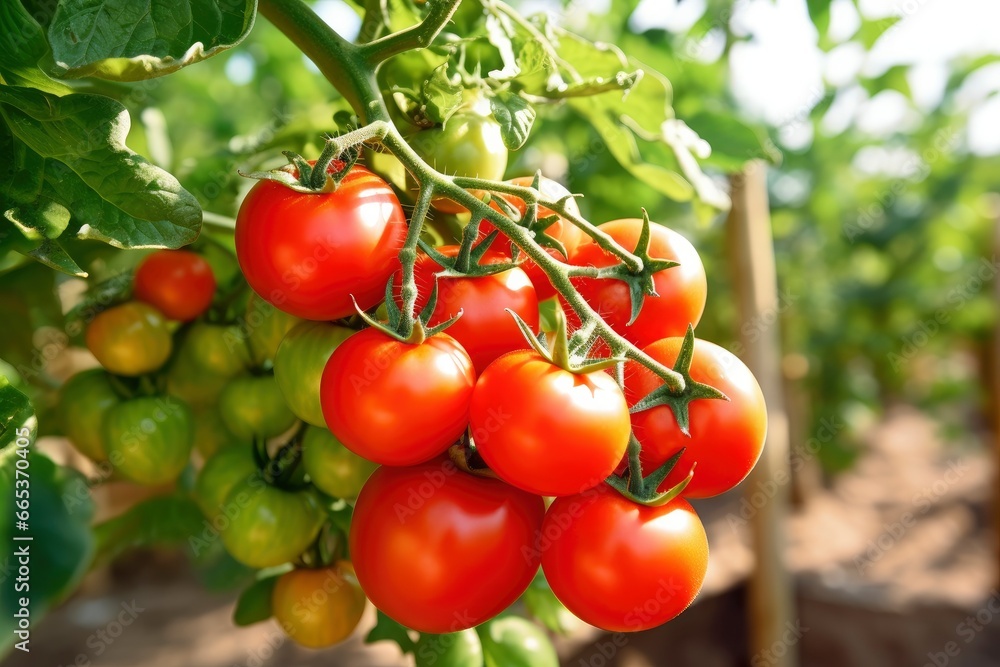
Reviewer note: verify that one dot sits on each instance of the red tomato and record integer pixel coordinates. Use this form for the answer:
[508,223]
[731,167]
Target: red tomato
[308,254]
[178,283]
[681,290]
[395,403]
[440,550]
[561,230]
[485,329]
[546,430]
[726,436]
[620,566]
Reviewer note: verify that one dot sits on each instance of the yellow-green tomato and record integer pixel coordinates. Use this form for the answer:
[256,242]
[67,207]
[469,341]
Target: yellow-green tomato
[318,607]
[333,468]
[299,364]
[130,339]
[83,401]
[253,407]
[220,474]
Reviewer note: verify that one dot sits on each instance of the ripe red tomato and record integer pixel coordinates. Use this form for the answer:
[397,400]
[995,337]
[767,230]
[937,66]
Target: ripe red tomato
[178,283]
[308,254]
[726,436]
[681,290]
[621,566]
[562,230]
[485,329]
[395,403]
[546,430]
[440,550]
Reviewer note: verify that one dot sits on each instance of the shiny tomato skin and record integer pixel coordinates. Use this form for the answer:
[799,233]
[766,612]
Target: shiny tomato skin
[681,290]
[148,439]
[318,607]
[440,550]
[486,330]
[178,283]
[726,436]
[83,401]
[394,403]
[308,254]
[132,338]
[332,468]
[562,230]
[546,430]
[621,566]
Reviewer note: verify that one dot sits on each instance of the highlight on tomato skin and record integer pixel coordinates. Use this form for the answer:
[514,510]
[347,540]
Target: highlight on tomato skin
[622,566]
[441,550]
[726,436]
[397,403]
[309,254]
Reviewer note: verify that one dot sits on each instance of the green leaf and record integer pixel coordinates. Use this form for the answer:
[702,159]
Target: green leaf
[388,629]
[254,603]
[124,40]
[16,413]
[114,193]
[734,143]
[442,94]
[53,255]
[819,13]
[515,116]
[872,29]
[163,520]
[22,46]
[543,605]
[61,546]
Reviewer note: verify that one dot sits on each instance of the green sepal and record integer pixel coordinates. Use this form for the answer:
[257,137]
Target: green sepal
[679,403]
[644,490]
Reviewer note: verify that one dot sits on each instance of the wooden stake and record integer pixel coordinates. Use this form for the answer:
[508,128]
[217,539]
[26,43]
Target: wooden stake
[771,602]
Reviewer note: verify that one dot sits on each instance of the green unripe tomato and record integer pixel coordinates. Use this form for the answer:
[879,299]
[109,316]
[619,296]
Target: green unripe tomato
[149,439]
[220,474]
[252,406]
[458,649]
[264,326]
[268,526]
[299,364]
[216,349]
[469,144]
[333,468]
[211,434]
[83,401]
[512,641]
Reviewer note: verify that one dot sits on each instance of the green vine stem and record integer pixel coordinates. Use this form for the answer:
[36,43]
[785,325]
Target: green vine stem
[351,70]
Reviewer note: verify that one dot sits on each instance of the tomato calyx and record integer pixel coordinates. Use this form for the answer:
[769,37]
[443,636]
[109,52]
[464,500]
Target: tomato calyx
[281,469]
[643,489]
[640,282]
[679,403]
[467,262]
[322,176]
[536,226]
[557,349]
[398,325]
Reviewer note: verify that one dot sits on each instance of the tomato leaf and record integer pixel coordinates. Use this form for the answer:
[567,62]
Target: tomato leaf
[442,95]
[16,412]
[61,546]
[254,603]
[515,115]
[163,520]
[388,629]
[22,46]
[76,145]
[123,40]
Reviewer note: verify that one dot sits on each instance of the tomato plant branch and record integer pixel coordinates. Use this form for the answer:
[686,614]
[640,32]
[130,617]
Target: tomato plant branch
[408,257]
[418,36]
[349,70]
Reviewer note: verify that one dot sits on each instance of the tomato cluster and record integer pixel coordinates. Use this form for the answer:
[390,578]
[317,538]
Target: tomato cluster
[307,394]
